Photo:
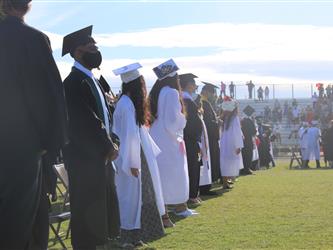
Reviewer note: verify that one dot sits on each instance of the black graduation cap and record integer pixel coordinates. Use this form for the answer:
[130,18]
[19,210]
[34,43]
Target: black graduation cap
[209,87]
[104,84]
[186,78]
[248,110]
[75,39]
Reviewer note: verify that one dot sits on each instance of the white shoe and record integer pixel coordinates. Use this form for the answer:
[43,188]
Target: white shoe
[187,213]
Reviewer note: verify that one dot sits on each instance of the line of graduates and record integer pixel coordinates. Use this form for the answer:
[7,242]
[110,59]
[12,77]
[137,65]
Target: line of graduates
[128,164]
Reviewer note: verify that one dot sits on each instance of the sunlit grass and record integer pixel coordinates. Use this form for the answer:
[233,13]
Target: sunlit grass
[274,209]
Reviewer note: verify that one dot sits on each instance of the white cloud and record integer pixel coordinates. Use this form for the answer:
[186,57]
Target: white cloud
[279,54]
[236,42]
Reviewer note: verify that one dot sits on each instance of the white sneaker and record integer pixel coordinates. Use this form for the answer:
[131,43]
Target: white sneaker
[187,213]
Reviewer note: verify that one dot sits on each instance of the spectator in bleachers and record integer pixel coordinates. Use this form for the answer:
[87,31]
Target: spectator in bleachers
[285,108]
[266,93]
[223,89]
[232,89]
[250,87]
[267,114]
[329,91]
[260,93]
[296,114]
[314,99]
[277,132]
[289,117]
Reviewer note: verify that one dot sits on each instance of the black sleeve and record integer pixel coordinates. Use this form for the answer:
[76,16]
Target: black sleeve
[211,121]
[193,127]
[44,93]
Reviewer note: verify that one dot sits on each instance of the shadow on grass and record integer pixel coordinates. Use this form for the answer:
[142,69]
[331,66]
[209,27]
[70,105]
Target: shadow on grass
[312,169]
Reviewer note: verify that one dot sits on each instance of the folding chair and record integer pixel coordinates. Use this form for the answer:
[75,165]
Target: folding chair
[295,156]
[62,175]
[58,218]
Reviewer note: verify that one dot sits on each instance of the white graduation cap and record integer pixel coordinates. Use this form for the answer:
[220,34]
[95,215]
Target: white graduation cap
[128,73]
[166,69]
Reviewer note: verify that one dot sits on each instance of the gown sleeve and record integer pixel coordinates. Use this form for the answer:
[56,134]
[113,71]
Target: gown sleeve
[130,147]
[175,121]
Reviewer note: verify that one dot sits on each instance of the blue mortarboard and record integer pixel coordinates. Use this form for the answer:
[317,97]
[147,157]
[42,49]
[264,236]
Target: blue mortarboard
[166,69]
[129,72]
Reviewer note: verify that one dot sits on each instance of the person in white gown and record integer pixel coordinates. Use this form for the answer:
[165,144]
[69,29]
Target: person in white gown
[138,183]
[231,142]
[168,122]
[302,140]
[312,142]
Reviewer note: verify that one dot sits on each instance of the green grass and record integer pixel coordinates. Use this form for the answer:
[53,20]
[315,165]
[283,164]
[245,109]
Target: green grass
[274,209]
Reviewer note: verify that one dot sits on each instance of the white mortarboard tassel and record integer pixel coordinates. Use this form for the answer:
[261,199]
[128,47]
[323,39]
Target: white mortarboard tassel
[128,73]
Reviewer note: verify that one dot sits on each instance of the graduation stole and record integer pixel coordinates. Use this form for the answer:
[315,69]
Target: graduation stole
[100,111]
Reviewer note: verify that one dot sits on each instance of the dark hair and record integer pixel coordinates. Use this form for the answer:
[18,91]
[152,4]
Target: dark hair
[137,92]
[19,5]
[172,82]
[227,117]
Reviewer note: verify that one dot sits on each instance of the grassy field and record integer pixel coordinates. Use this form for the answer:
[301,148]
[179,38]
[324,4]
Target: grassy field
[274,209]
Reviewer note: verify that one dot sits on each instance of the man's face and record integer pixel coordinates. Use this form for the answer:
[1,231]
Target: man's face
[90,47]
[192,87]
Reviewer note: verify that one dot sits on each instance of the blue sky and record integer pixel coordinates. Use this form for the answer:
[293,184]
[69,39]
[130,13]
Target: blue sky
[276,42]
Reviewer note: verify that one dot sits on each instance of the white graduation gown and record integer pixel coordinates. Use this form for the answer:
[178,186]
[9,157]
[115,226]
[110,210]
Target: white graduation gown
[132,138]
[205,169]
[167,132]
[313,145]
[302,136]
[231,139]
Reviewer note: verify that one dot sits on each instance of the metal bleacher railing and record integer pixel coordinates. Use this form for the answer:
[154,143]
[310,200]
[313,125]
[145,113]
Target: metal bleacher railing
[276,91]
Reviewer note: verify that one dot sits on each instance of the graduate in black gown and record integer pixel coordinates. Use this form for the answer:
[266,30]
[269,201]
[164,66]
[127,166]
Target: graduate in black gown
[89,155]
[213,130]
[192,135]
[249,132]
[33,122]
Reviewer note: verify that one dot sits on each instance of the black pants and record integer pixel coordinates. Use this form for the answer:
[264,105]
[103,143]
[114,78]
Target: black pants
[247,154]
[112,204]
[192,150]
[23,204]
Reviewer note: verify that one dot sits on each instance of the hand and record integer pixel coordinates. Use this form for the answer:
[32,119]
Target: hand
[238,150]
[113,153]
[135,172]
[109,98]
